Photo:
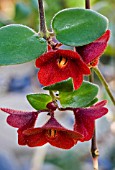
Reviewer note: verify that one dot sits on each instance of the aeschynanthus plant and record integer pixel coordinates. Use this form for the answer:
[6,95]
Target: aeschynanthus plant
[59,71]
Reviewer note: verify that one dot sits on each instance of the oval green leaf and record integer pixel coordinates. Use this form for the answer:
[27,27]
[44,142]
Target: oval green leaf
[77,27]
[39,101]
[65,85]
[19,44]
[79,98]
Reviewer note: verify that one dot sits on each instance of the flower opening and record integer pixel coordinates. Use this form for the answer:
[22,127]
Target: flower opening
[62,62]
[52,133]
[58,65]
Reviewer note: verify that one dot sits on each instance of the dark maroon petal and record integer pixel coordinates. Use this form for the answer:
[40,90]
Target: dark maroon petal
[85,118]
[93,112]
[52,123]
[20,119]
[85,126]
[95,49]
[14,112]
[101,104]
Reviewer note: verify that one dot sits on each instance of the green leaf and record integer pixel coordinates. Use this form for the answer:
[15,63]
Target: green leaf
[77,27]
[39,101]
[79,98]
[65,85]
[19,44]
[92,102]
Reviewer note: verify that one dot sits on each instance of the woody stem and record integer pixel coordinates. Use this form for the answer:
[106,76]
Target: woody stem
[94,149]
[102,79]
[52,95]
[87,4]
[43,29]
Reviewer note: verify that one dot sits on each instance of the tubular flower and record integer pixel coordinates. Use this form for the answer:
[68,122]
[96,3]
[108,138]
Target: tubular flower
[58,65]
[90,53]
[22,121]
[85,119]
[54,133]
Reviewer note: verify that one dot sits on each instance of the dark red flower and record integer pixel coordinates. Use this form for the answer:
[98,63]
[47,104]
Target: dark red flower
[59,65]
[53,133]
[90,53]
[85,119]
[21,120]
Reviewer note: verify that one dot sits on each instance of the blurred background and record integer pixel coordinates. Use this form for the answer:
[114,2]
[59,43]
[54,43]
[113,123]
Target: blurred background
[18,80]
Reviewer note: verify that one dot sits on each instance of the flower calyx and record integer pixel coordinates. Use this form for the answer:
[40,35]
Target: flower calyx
[52,106]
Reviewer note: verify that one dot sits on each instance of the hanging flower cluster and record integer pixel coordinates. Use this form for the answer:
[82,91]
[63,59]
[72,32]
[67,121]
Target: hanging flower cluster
[53,132]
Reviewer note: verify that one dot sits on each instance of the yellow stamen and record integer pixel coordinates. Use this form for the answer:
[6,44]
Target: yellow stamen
[62,62]
[52,133]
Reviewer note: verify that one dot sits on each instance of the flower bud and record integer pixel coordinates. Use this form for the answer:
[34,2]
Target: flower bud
[51,106]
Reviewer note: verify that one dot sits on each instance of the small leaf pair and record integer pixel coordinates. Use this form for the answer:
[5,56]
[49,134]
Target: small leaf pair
[69,97]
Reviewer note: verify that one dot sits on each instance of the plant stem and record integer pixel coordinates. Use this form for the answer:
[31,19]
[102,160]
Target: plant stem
[94,149]
[87,4]
[52,95]
[43,29]
[91,76]
[102,79]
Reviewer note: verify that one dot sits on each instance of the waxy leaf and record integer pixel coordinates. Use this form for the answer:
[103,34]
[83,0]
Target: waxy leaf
[39,101]
[65,85]
[78,27]
[92,102]
[79,98]
[19,44]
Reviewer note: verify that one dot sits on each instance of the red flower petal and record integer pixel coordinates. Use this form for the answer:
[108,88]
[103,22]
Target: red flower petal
[95,49]
[51,73]
[21,137]
[67,53]
[56,53]
[101,104]
[37,139]
[44,58]
[62,138]
[20,119]
[85,117]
